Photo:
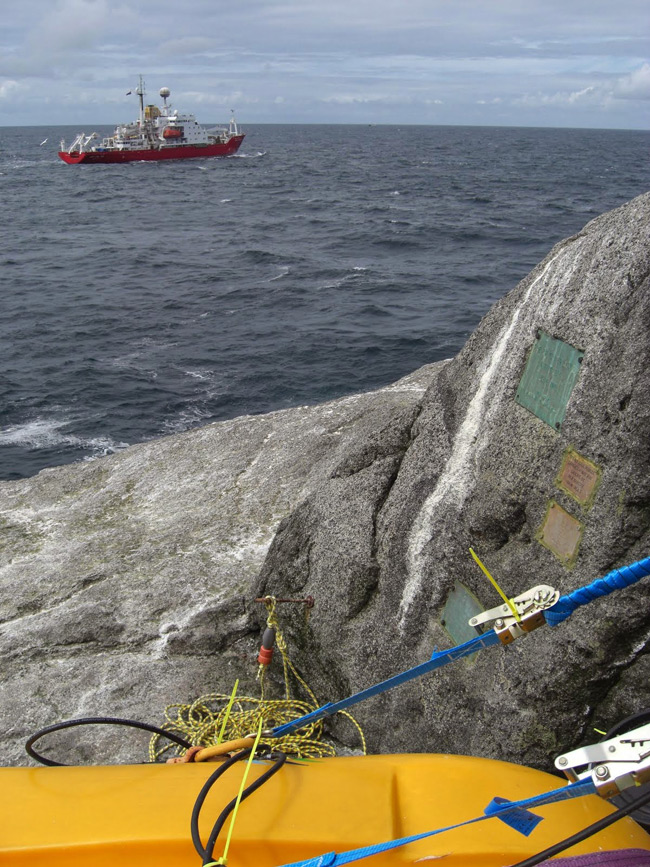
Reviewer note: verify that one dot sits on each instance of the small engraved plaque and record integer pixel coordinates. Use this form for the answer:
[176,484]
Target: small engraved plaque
[579,477]
[561,533]
[460,607]
[548,379]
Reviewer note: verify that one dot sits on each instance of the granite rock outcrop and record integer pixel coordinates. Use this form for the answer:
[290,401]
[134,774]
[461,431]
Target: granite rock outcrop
[531,446]
[127,583]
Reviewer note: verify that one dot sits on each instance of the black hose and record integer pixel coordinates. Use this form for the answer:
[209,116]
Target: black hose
[95,720]
[200,798]
[586,832]
[206,852]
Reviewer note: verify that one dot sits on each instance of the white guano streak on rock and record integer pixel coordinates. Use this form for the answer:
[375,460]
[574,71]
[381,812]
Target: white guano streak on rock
[455,481]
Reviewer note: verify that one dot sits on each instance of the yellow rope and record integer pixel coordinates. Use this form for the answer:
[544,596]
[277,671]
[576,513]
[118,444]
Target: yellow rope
[508,601]
[223,859]
[217,717]
[226,713]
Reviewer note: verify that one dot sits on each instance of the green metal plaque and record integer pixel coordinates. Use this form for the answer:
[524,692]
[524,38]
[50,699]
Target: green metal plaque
[460,607]
[548,379]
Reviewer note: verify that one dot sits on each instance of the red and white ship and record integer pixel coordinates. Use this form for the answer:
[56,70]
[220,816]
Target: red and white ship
[160,133]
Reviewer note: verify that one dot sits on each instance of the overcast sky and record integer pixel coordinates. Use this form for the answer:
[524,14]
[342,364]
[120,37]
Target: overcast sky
[577,63]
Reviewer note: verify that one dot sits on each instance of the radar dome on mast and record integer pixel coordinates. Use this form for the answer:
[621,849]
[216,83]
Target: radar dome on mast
[164,92]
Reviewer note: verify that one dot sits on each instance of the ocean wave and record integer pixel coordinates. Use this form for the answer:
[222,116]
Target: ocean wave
[241,156]
[283,273]
[199,374]
[186,419]
[41,433]
[261,257]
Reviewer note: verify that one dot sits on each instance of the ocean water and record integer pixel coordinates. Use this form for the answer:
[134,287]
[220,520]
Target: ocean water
[144,299]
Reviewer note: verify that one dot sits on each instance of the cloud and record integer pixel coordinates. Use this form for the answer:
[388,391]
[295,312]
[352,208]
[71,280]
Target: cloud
[8,88]
[354,99]
[186,46]
[70,26]
[236,97]
[591,94]
[636,85]
[585,60]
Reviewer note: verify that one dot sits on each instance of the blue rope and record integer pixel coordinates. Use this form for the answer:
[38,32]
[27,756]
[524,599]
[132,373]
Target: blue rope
[617,579]
[563,608]
[332,859]
[438,660]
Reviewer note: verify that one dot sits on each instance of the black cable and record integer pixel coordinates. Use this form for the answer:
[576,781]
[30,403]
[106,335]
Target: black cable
[95,720]
[194,821]
[585,833]
[206,852]
[279,760]
[623,727]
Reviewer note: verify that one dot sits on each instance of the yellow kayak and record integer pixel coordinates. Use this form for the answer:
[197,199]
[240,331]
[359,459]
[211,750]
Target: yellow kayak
[139,815]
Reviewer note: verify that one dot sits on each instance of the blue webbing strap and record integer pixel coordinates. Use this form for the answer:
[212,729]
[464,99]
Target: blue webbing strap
[617,579]
[438,660]
[332,859]
[563,608]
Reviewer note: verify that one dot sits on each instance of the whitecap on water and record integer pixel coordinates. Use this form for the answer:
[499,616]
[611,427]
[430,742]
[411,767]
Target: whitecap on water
[188,418]
[102,447]
[199,374]
[42,433]
[284,270]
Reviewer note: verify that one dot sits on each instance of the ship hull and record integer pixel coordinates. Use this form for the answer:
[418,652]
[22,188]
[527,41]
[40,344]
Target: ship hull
[176,152]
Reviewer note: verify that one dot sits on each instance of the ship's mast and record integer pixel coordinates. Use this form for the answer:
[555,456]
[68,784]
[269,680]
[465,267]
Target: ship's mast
[140,92]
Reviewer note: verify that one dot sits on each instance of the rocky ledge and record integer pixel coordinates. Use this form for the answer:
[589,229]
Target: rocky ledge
[127,583]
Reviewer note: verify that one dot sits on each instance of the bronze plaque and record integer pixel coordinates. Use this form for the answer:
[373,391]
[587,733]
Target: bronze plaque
[561,533]
[579,477]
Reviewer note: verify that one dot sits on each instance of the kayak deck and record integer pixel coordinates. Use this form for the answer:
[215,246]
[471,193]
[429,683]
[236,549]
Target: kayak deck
[140,814]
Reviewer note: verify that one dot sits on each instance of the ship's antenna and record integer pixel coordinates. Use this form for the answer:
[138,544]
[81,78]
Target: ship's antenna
[140,92]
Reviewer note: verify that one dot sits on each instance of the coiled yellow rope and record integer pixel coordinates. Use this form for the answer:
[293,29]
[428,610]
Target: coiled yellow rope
[216,717]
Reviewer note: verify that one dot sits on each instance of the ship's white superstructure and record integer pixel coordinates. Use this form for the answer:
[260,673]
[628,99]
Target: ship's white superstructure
[160,132]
